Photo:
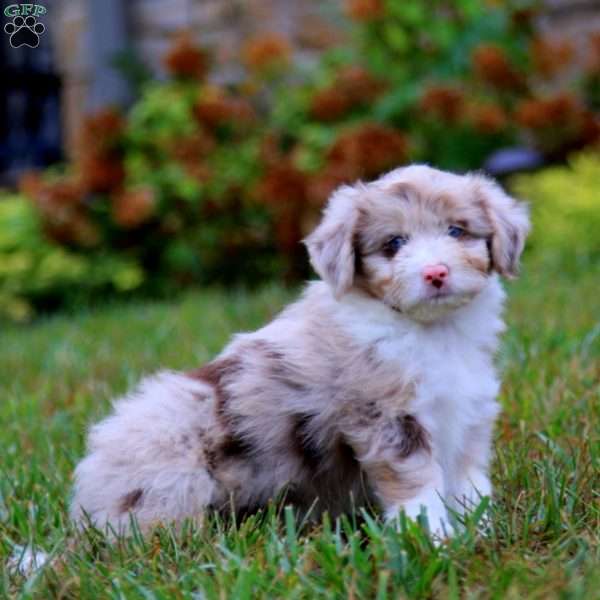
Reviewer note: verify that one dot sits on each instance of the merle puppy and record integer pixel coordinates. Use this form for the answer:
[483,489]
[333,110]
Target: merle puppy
[377,384]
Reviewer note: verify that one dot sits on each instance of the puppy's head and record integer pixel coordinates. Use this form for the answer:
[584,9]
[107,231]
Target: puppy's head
[423,241]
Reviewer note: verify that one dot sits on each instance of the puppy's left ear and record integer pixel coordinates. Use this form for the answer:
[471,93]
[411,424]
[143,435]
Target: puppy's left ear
[509,220]
[331,244]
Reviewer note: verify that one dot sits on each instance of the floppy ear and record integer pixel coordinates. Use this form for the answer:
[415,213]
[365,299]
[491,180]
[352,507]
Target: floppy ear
[331,245]
[509,220]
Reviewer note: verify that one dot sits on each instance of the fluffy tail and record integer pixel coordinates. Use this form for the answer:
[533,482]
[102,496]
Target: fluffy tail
[147,458]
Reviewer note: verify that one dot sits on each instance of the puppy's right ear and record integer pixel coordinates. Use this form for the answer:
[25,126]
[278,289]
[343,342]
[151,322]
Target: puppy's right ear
[331,244]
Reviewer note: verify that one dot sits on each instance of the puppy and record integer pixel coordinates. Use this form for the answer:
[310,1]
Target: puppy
[377,385]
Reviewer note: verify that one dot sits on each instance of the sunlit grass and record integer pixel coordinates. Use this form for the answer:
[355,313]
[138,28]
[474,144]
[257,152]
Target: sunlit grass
[59,375]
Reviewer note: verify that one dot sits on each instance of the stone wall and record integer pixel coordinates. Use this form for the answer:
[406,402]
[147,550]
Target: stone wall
[224,25]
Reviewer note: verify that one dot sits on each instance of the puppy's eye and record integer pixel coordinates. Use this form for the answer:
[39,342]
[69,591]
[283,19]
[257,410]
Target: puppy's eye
[391,246]
[456,232]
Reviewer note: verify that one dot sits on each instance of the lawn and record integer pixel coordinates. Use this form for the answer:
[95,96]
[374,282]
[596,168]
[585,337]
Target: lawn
[59,375]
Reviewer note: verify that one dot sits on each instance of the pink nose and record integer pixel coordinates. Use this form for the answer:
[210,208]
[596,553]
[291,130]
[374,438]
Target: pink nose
[435,275]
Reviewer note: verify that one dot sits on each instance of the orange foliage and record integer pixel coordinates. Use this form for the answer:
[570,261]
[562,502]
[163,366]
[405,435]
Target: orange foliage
[550,57]
[133,207]
[60,206]
[267,51]
[443,102]
[215,108]
[561,122]
[100,131]
[192,148]
[282,183]
[185,59]
[492,66]
[358,84]
[488,118]
[329,105]
[353,86]
[99,163]
[283,187]
[323,183]
[523,18]
[100,173]
[593,64]
[365,10]
[557,111]
[370,149]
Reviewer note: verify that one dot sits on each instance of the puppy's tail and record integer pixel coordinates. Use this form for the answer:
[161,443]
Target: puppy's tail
[147,459]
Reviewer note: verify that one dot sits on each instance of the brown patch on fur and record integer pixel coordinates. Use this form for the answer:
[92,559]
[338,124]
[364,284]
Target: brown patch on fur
[373,231]
[488,245]
[362,276]
[512,249]
[414,437]
[331,474]
[213,373]
[310,453]
[443,205]
[372,357]
[403,190]
[477,263]
[447,203]
[228,444]
[332,459]
[485,208]
[211,457]
[391,486]
[233,446]
[278,368]
[363,284]
[378,286]
[370,411]
[217,452]
[399,439]
[358,259]
[337,237]
[267,349]
[131,500]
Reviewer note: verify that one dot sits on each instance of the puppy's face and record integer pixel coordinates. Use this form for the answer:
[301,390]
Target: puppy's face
[423,241]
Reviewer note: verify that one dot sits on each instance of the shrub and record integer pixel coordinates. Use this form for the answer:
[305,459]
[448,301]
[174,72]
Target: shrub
[565,207]
[35,272]
[200,183]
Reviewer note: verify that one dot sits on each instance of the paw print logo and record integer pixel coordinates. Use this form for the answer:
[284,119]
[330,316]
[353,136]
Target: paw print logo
[24,31]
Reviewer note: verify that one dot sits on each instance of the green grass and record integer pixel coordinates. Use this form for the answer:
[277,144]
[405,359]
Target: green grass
[59,375]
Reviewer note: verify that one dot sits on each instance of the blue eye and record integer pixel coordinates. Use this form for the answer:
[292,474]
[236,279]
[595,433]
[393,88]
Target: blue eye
[456,232]
[393,245]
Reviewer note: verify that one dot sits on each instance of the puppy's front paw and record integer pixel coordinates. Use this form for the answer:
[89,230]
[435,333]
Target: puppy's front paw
[431,508]
[474,495]
[474,488]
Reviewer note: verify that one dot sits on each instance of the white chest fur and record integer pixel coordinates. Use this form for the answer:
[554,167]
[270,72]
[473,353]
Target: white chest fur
[455,402]
[450,363]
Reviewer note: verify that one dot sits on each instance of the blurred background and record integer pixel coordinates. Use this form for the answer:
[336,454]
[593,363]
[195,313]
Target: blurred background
[147,146]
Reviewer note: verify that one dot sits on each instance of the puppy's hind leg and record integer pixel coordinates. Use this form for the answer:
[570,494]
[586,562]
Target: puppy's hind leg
[148,457]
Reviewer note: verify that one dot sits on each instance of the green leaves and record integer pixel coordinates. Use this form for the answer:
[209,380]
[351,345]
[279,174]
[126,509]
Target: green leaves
[32,269]
[162,113]
[565,207]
